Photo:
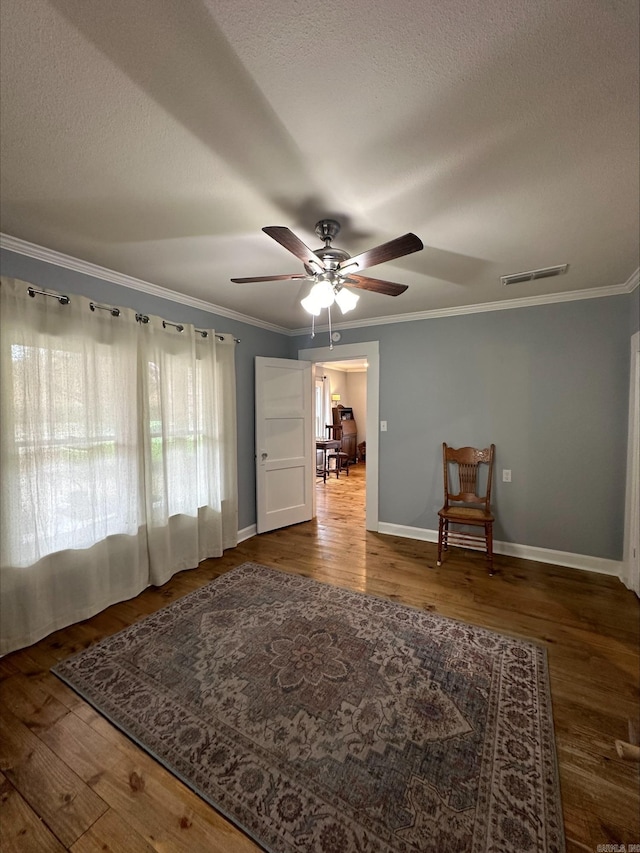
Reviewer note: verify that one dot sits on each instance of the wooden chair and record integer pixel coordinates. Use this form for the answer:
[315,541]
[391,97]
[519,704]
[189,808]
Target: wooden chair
[339,457]
[462,503]
[341,460]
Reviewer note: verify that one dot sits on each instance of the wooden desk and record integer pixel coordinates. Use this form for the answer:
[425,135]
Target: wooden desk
[324,445]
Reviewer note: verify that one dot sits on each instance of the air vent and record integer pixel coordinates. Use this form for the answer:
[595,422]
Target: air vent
[533,275]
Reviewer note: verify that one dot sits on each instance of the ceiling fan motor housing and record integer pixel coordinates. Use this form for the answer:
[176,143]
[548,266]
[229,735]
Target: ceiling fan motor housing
[330,256]
[327,229]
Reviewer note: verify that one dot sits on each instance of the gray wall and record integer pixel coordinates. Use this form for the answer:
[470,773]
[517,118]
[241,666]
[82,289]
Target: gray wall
[254,341]
[634,312]
[547,385]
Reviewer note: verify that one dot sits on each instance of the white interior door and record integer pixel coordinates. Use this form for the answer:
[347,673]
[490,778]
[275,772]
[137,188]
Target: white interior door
[285,443]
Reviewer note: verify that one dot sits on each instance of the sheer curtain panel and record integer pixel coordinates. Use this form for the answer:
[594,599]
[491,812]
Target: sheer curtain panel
[326,406]
[190,446]
[117,457]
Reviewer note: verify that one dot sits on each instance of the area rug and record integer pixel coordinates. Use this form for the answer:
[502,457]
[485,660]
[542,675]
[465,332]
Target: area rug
[320,719]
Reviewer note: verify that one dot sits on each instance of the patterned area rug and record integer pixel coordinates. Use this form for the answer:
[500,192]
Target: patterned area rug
[320,719]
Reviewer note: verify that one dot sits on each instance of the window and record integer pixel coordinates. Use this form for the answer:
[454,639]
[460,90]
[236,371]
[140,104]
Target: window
[70,448]
[117,453]
[320,408]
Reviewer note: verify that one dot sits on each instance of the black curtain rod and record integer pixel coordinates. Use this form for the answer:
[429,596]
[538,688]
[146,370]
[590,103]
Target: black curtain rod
[115,312]
[63,300]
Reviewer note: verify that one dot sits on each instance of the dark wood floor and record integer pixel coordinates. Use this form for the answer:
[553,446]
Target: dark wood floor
[71,781]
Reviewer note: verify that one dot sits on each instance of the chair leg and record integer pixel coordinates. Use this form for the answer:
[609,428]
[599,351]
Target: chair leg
[488,529]
[440,533]
[341,466]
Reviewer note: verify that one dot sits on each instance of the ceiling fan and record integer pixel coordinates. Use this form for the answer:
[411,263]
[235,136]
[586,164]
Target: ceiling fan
[331,268]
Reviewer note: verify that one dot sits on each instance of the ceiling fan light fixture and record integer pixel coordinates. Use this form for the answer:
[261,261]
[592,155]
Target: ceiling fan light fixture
[347,300]
[323,294]
[310,304]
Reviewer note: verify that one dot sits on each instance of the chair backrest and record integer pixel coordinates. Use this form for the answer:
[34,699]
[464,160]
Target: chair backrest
[462,479]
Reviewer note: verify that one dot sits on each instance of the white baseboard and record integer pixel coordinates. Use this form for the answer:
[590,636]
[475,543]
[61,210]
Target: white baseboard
[512,549]
[246,533]
[508,549]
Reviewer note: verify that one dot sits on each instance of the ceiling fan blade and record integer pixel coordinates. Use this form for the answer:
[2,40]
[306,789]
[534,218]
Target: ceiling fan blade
[389,288]
[269,278]
[397,248]
[283,235]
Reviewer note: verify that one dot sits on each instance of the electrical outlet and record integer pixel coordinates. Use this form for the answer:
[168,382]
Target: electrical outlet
[506,475]
[383,426]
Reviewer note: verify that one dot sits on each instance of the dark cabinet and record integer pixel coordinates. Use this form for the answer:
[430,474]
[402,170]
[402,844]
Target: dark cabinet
[349,440]
[346,430]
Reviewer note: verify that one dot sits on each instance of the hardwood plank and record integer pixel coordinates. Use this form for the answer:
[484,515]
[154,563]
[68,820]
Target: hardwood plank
[120,837]
[21,829]
[617,785]
[589,624]
[8,667]
[36,667]
[32,704]
[159,808]
[47,784]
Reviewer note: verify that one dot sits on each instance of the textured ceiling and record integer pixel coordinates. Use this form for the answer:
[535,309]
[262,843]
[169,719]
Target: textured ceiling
[157,137]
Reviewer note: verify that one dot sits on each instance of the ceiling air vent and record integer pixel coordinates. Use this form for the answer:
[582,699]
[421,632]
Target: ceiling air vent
[533,275]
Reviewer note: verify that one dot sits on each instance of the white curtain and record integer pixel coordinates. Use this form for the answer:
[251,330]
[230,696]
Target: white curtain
[117,457]
[326,406]
[190,446]
[322,405]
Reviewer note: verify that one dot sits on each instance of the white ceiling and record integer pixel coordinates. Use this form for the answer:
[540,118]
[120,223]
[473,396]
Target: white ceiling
[157,137]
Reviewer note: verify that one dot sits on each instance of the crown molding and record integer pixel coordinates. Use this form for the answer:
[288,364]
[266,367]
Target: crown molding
[51,256]
[480,308]
[632,282]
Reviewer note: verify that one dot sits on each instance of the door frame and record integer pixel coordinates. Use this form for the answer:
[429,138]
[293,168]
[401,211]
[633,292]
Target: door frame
[631,554]
[370,351]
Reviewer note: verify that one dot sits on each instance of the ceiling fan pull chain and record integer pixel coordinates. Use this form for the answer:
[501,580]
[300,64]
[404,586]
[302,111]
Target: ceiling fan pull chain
[313,326]
[330,338]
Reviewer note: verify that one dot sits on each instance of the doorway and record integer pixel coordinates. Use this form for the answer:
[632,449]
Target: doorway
[341,401]
[631,557]
[368,351]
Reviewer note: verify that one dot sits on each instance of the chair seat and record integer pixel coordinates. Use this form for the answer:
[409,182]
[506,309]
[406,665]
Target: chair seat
[468,514]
